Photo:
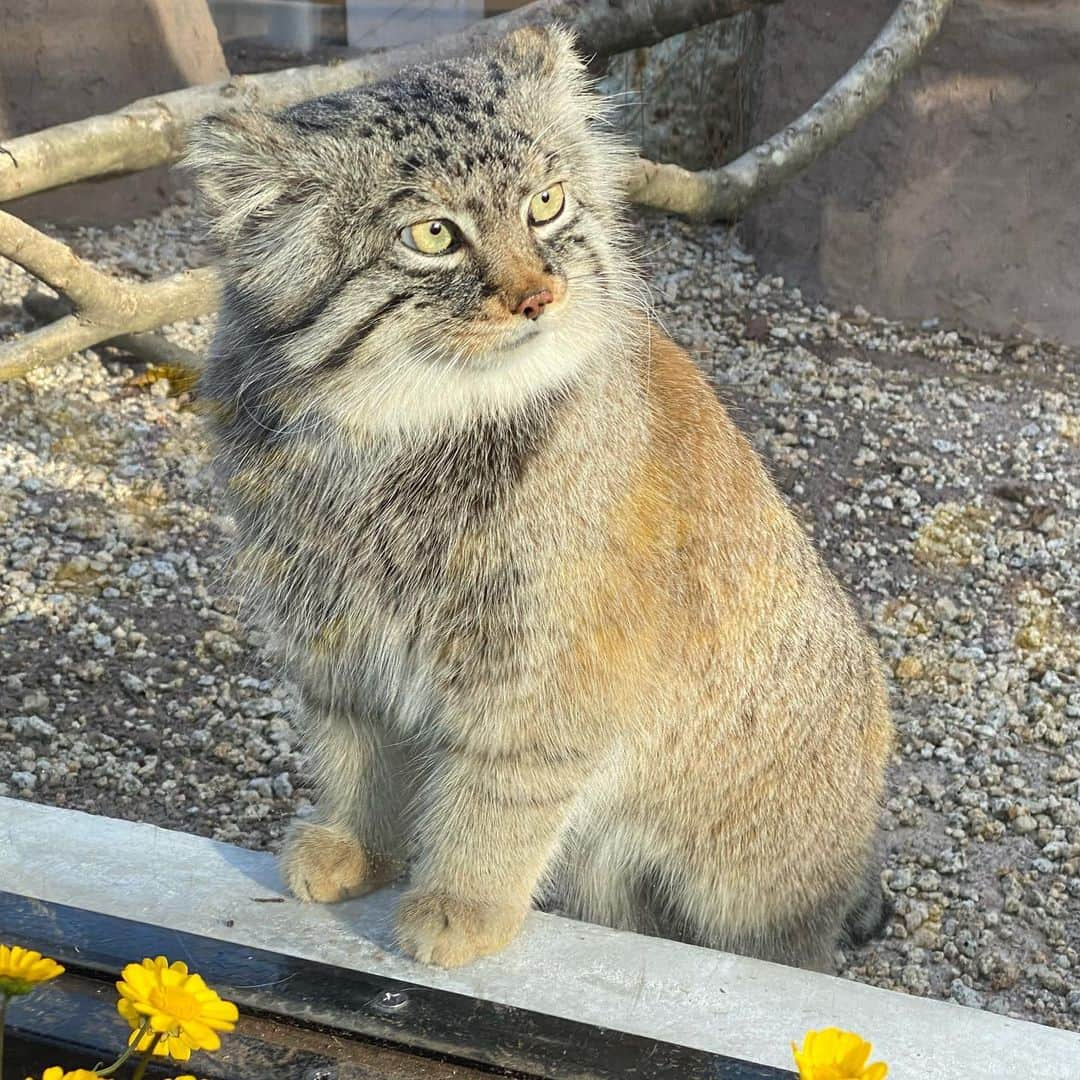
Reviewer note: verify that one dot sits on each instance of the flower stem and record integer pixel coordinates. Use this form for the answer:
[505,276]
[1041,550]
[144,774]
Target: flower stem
[128,1052]
[148,1053]
[3,1017]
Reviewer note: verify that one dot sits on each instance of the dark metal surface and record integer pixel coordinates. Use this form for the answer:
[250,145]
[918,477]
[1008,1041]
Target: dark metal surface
[357,1003]
[73,1022]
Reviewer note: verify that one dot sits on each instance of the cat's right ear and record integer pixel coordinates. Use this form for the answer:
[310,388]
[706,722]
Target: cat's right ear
[242,165]
[544,50]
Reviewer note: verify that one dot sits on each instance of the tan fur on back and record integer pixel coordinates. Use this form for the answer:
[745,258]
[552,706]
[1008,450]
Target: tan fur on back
[557,636]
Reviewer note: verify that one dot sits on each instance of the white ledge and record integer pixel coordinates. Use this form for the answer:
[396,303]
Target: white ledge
[644,986]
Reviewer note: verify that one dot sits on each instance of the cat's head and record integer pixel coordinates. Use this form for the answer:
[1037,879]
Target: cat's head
[445,239]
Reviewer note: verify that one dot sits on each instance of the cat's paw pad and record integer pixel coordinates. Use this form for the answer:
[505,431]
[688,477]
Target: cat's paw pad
[323,865]
[447,931]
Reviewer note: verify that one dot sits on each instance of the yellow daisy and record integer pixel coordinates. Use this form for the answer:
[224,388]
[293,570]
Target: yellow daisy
[56,1073]
[184,1013]
[22,969]
[833,1054]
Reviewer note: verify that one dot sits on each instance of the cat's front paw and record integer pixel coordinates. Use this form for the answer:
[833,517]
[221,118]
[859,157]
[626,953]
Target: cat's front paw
[448,931]
[324,865]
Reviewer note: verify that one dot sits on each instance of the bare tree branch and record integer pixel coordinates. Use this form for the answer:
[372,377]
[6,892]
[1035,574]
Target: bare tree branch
[152,131]
[57,265]
[50,343]
[724,193]
[153,349]
[105,307]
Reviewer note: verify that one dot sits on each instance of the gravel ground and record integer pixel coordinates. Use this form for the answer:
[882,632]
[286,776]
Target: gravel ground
[938,471]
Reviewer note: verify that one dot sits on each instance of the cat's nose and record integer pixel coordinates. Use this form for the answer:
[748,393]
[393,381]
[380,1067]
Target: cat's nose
[532,307]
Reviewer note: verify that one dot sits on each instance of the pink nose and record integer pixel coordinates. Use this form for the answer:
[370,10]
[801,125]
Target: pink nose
[532,307]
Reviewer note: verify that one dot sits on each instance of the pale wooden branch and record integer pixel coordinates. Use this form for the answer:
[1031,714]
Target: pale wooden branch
[57,265]
[152,131]
[724,193]
[105,307]
[149,348]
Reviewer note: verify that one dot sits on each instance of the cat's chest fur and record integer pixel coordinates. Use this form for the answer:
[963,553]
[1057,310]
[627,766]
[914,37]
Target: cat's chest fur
[396,573]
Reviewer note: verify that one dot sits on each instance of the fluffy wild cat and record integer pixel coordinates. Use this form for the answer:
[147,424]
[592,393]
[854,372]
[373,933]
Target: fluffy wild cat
[557,637]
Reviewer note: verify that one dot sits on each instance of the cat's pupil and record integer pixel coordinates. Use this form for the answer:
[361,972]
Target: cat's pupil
[436,228]
[545,196]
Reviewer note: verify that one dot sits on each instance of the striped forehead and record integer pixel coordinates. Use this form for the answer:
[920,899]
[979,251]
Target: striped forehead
[455,121]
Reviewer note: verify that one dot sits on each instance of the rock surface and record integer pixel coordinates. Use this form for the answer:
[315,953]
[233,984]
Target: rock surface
[957,199]
[690,99]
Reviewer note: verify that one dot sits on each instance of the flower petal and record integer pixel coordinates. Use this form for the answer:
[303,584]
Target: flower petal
[19,965]
[140,1041]
[802,1063]
[177,1049]
[224,1012]
[203,1037]
[819,1045]
[138,978]
[853,1053]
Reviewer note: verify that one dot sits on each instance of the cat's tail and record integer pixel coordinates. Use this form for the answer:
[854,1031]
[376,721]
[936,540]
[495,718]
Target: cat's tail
[870,913]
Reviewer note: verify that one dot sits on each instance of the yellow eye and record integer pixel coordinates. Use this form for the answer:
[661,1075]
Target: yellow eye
[546,205]
[430,237]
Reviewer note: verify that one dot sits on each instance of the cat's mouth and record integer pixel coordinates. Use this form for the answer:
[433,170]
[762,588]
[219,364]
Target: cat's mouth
[489,345]
[523,334]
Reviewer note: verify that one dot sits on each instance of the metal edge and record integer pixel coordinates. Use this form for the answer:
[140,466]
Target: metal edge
[370,1005]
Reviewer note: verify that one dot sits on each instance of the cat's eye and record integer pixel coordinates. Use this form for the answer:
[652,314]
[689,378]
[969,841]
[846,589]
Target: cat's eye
[546,205]
[430,237]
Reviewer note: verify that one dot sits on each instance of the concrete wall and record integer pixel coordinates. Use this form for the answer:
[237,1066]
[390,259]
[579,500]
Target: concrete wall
[961,197]
[67,59]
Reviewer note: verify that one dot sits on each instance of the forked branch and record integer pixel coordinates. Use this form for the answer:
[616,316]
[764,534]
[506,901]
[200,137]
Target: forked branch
[105,307]
[724,193]
[149,348]
[151,132]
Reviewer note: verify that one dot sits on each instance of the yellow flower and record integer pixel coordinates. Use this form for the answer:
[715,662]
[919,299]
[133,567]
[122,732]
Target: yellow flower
[56,1073]
[184,1013]
[22,969]
[833,1054]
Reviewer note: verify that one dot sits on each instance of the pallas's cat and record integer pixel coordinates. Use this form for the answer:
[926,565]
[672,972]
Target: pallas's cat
[555,635]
